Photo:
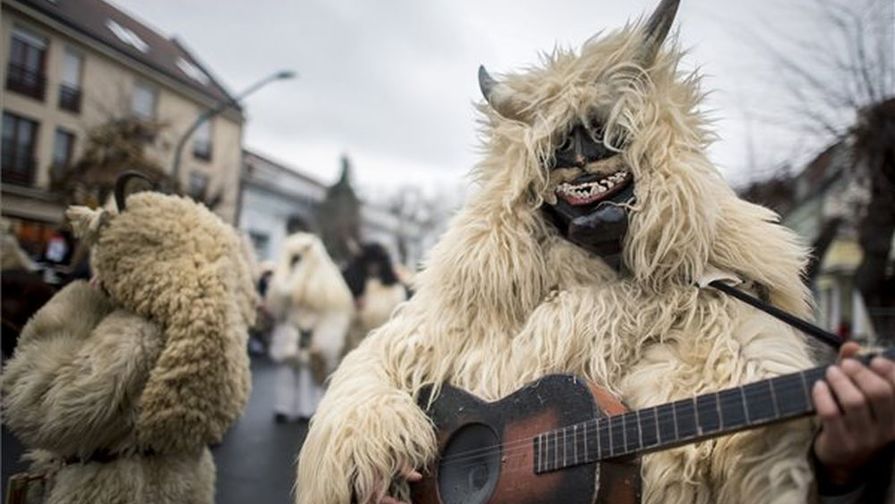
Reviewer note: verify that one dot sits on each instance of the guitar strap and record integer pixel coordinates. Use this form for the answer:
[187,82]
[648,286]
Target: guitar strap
[802,325]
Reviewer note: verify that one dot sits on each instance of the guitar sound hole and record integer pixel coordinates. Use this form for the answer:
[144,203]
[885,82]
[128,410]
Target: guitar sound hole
[469,466]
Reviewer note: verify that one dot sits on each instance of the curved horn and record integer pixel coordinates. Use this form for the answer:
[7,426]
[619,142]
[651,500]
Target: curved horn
[498,95]
[121,186]
[658,25]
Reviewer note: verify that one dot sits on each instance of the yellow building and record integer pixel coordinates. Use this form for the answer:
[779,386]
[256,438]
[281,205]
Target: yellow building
[71,65]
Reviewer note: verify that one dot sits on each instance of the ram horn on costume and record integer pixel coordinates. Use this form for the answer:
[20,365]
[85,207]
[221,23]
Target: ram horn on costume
[658,25]
[498,95]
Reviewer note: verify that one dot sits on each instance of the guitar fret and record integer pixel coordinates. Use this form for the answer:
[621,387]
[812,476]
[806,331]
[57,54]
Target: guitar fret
[618,434]
[650,434]
[609,423]
[624,433]
[639,429]
[718,409]
[774,400]
[708,418]
[674,418]
[604,438]
[665,423]
[565,451]
[685,418]
[556,449]
[575,441]
[733,412]
[538,466]
[758,395]
[790,395]
[586,448]
[632,431]
[805,387]
[745,408]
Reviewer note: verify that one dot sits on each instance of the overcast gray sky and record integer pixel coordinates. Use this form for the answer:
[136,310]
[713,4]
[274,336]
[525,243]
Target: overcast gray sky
[391,82]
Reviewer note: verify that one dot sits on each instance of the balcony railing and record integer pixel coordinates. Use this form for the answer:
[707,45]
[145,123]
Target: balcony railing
[18,168]
[69,98]
[26,81]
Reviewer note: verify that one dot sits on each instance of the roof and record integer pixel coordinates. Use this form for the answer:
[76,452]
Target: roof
[114,28]
[250,157]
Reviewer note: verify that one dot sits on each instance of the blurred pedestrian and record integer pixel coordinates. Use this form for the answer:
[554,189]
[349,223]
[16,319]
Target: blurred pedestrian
[24,290]
[259,334]
[312,308]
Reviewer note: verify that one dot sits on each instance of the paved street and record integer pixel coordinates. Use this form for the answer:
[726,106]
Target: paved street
[256,461]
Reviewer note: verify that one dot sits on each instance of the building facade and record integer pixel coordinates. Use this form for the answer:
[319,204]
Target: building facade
[72,66]
[273,194]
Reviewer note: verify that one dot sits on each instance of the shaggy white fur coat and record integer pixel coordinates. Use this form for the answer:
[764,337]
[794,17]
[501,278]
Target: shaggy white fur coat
[307,292]
[504,299]
[149,369]
[379,301]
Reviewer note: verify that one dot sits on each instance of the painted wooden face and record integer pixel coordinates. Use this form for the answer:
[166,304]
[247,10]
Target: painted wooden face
[592,187]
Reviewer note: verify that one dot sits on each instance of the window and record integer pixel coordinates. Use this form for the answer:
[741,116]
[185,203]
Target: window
[25,72]
[260,242]
[143,102]
[193,72]
[19,136]
[70,87]
[127,36]
[198,187]
[63,145]
[202,141]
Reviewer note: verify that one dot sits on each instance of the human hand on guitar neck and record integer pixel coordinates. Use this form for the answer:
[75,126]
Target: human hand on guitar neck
[856,407]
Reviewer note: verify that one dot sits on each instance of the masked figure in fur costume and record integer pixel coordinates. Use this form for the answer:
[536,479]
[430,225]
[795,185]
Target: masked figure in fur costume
[312,306]
[598,217]
[120,385]
[376,288]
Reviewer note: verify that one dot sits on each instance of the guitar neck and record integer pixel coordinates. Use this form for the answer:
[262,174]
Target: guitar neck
[681,422]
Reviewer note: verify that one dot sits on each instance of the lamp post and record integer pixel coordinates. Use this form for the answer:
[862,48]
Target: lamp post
[220,107]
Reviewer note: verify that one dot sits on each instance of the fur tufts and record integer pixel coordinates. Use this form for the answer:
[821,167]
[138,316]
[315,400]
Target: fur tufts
[504,299]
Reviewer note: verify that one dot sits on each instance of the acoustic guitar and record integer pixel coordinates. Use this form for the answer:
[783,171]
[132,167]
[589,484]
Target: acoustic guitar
[561,439]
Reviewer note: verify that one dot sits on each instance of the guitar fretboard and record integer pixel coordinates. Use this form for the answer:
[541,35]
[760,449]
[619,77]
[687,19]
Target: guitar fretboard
[681,422]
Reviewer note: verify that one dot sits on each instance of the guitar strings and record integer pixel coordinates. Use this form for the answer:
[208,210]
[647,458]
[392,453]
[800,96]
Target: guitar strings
[661,416]
[597,426]
[601,425]
[525,443]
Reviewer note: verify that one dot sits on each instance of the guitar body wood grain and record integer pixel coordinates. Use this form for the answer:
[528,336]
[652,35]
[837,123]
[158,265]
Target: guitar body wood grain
[468,471]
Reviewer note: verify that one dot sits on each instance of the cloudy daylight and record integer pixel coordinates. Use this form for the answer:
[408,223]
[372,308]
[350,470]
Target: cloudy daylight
[245,241]
[392,84]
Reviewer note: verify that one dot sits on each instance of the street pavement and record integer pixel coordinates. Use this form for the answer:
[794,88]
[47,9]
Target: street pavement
[256,460]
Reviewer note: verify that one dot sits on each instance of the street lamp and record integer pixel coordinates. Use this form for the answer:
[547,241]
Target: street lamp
[220,107]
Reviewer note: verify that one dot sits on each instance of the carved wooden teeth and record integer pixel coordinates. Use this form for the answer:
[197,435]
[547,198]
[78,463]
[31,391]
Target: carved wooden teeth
[590,188]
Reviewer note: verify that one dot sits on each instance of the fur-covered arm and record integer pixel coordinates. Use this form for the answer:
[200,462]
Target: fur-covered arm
[71,313]
[770,464]
[76,373]
[367,428]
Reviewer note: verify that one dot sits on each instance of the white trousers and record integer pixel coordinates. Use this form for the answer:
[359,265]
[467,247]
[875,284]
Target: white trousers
[296,393]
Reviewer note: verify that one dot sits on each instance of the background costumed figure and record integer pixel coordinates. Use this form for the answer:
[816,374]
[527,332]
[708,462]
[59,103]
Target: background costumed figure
[597,219]
[120,385]
[312,306]
[376,288]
